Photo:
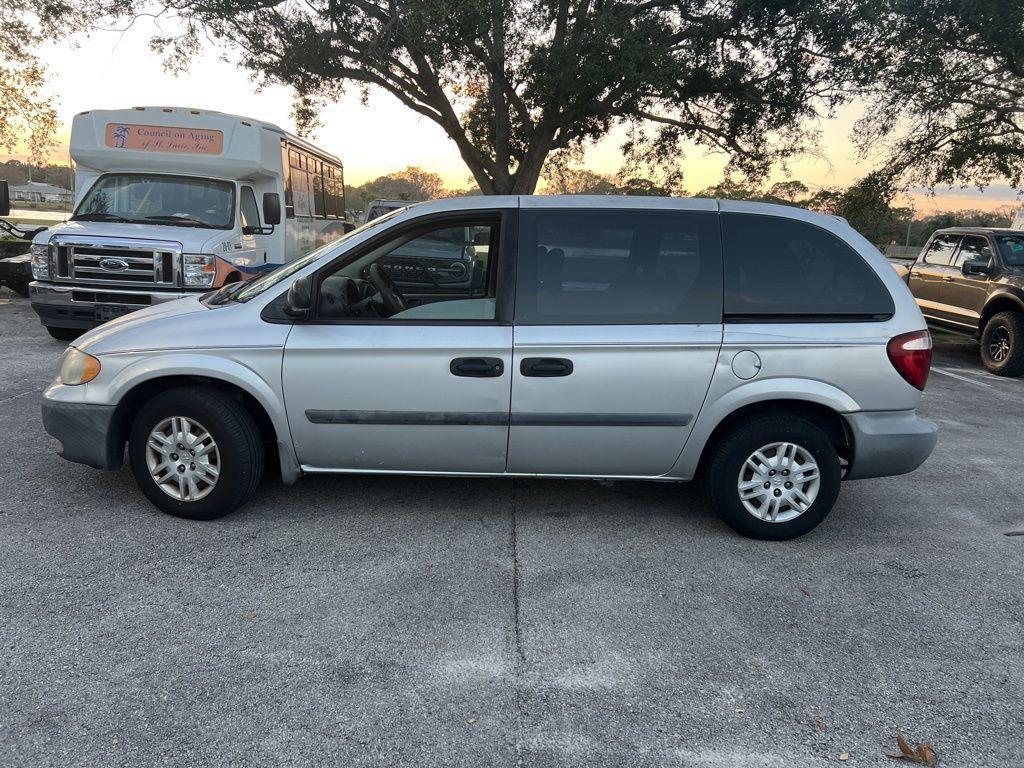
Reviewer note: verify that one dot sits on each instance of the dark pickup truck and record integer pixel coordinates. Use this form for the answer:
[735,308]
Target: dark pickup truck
[971,280]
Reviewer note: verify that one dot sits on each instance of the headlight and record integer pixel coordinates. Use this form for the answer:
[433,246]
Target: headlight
[78,367]
[40,262]
[200,269]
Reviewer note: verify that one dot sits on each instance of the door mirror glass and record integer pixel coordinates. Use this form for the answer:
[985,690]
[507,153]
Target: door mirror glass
[482,237]
[976,267]
[5,199]
[300,298]
[271,208]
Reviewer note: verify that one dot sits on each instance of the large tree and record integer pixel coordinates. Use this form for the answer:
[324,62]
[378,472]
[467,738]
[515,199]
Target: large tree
[27,113]
[949,102]
[511,81]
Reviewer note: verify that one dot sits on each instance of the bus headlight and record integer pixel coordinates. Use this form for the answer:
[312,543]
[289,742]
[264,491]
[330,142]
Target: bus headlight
[200,269]
[40,262]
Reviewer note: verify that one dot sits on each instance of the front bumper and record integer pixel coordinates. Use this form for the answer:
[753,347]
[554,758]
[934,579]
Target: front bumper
[86,433]
[85,306]
[888,442]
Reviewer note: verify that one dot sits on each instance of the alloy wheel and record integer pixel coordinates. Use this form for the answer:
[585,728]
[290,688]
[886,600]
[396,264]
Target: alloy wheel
[999,343]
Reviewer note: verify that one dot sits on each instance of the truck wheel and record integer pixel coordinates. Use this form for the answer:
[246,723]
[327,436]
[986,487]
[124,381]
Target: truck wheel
[195,453]
[64,334]
[1002,344]
[774,477]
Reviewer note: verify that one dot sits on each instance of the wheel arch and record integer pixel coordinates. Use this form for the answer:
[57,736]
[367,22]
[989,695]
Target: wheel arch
[259,401]
[827,419]
[815,400]
[1000,302]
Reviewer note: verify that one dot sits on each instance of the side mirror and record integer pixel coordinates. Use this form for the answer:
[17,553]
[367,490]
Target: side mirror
[5,199]
[300,298]
[271,209]
[483,237]
[975,267]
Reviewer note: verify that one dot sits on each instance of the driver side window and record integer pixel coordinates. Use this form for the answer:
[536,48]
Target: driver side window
[446,272]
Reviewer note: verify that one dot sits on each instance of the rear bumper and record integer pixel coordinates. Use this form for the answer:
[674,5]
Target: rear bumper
[888,442]
[85,306]
[85,432]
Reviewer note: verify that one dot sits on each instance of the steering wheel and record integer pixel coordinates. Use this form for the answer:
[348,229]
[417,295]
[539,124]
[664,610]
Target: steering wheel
[392,298]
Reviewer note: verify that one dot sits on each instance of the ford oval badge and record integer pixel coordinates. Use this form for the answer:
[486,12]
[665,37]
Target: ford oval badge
[114,265]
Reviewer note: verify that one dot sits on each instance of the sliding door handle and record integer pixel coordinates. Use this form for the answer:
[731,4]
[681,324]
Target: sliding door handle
[545,367]
[477,367]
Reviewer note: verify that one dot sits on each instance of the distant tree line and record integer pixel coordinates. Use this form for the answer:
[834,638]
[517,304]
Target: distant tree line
[868,206]
[16,173]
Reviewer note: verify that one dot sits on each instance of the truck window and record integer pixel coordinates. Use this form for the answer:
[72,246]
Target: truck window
[781,268]
[941,250]
[1011,247]
[974,248]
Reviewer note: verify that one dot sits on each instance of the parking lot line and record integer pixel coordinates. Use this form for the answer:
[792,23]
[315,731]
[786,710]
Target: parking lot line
[944,372]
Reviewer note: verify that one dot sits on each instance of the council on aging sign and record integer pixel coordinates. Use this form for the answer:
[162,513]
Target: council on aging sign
[161,138]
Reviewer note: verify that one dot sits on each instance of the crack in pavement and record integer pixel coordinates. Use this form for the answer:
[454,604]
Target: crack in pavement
[519,656]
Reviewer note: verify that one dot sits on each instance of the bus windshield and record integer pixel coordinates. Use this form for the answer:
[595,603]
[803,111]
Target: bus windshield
[141,198]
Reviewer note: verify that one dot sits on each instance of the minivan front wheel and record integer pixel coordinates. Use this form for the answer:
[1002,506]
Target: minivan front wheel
[774,477]
[195,453]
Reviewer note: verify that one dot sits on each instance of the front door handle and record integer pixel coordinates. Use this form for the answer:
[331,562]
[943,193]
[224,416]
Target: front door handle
[477,367]
[545,367]
[948,278]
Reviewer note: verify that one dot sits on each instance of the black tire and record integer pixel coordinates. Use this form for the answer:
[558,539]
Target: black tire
[1002,344]
[64,334]
[238,441]
[731,454]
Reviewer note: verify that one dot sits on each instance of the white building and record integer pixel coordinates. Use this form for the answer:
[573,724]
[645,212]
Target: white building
[38,192]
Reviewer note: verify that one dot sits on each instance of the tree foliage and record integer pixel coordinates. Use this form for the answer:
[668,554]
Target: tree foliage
[949,100]
[511,81]
[413,184]
[27,111]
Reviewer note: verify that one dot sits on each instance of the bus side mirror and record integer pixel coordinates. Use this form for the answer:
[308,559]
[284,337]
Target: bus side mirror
[271,209]
[300,298]
[5,199]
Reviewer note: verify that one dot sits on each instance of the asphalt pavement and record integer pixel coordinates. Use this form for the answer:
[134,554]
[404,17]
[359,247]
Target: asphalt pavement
[364,621]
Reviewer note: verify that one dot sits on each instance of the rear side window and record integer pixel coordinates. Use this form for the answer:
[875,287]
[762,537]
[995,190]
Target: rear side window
[618,267]
[787,269]
[940,250]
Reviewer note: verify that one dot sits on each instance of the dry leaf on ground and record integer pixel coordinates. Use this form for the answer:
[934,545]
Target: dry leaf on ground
[922,754]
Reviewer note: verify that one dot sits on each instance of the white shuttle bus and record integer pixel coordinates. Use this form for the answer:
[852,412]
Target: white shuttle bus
[171,201]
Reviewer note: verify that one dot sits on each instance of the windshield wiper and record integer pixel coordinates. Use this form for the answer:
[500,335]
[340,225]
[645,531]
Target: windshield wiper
[101,216]
[181,219]
[224,294]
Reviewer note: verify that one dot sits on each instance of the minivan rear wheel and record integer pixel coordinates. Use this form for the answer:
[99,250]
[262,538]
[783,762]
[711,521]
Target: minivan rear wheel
[774,477]
[195,453]
[1002,344]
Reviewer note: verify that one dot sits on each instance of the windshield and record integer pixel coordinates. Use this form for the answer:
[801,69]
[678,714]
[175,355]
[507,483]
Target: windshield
[1012,249]
[141,198]
[269,280]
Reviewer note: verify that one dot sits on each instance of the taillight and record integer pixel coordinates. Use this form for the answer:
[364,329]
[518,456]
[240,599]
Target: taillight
[911,356]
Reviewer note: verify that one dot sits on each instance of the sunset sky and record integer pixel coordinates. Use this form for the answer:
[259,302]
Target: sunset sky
[114,69]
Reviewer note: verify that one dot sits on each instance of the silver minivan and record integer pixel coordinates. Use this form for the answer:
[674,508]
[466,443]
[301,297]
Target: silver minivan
[770,350]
